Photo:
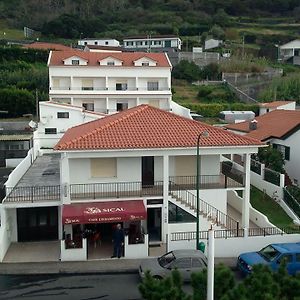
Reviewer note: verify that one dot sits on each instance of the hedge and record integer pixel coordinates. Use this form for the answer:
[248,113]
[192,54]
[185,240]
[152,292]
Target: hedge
[212,110]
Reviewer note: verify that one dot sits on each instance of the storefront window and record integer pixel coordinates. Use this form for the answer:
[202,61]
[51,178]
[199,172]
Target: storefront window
[178,215]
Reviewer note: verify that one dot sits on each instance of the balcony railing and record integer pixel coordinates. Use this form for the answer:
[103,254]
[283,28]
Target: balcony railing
[115,190]
[96,88]
[33,193]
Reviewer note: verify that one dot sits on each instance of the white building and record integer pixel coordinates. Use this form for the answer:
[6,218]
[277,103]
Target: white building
[138,168]
[270,106]
[99,42]
[153,42]
[212,43]
[279,128]
[290,52]
[111,82]
[56,119]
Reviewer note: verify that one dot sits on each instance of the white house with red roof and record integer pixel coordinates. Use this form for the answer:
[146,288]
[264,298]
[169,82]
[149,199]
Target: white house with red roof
[137,168]
[279,128]
[110,82]
[270,106]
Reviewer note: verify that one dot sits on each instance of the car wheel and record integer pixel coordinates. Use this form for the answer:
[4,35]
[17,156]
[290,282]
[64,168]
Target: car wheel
[157,277]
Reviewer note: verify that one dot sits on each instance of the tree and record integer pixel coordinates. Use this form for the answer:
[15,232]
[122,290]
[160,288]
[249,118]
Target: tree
[272,158]
[186,70]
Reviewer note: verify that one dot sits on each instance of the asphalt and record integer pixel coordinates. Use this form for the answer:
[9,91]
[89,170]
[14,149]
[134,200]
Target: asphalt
[108,266]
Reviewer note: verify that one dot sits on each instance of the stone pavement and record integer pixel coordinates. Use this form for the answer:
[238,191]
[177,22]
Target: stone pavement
[105,266]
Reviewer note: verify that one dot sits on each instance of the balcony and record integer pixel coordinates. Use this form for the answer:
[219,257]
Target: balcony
[87,191]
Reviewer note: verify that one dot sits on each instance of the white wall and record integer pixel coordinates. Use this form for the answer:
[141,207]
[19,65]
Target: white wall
[12,162]
[180,110]
[20,170]
[292,165]
[136,250]
[73,254]
[232,247]
[80,170]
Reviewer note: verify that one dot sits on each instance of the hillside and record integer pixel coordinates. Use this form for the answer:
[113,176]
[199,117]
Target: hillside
[71,19]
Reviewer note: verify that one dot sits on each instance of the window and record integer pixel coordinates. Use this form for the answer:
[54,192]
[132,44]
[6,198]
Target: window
[103,167]
[106,42]
[298,257]
[122,106]
[63,115]
[139,43]
[182,263]
[288,258]
[144,64]
[85,43]
[75,61]
[283,149]
[121,86]
[110,63]
[198,263]
[88,106]
[96,43]
[50,130]
[152,85]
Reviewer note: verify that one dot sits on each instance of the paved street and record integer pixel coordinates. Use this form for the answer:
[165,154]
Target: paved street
[63,287]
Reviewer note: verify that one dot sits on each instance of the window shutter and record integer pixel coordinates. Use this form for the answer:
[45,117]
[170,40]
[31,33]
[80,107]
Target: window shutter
[287,153]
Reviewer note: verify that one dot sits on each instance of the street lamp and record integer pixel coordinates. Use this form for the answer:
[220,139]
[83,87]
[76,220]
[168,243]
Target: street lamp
[203,134]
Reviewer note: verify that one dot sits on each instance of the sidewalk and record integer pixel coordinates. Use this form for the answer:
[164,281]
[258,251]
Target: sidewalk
[108,266]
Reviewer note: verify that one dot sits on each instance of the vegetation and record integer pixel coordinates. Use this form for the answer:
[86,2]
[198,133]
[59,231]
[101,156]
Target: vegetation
[262,284]
[23,72]
[272,158]
[266,205]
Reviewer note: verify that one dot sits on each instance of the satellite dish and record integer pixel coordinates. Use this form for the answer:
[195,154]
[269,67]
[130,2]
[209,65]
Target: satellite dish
[32,124]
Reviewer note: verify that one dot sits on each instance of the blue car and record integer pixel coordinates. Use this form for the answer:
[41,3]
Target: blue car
[272,255]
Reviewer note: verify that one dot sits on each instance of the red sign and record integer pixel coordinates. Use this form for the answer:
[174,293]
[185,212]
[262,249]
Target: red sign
[104,212]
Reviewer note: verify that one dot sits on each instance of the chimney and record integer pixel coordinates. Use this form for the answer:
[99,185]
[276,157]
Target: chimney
[253,125]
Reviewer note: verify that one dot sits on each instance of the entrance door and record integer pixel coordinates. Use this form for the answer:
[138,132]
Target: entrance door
[147,171]
[154,224]
[37,224]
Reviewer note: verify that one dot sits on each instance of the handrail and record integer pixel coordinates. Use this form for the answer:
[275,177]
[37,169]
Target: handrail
[206,209]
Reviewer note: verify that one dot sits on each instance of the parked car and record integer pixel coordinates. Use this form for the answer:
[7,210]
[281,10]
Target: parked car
[272,255]
[185,261]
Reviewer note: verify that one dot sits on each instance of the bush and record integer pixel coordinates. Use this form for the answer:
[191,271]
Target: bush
[186,70]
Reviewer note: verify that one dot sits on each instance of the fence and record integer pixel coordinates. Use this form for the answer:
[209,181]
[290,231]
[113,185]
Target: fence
[272,176]
[291,202]
[255,166]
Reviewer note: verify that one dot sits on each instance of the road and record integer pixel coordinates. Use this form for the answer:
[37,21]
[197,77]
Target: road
[62,287]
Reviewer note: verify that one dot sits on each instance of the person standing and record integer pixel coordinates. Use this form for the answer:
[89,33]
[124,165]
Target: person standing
[118,241]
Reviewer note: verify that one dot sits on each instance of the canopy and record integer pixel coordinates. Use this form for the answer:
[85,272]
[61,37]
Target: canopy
[104,212]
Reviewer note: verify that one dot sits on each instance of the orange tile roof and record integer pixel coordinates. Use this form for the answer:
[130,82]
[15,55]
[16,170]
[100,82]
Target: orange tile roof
[47,46]
[275,104]
[275,124]
[144,127]
[93,58]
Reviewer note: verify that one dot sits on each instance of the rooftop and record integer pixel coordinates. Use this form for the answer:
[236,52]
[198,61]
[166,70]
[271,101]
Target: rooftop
[275,124]
[275,104]
[93,58]
[46,46]
[145,127]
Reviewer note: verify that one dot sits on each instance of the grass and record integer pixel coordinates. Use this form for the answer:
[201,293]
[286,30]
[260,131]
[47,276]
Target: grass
[263,203]
[184,92]
[10,33]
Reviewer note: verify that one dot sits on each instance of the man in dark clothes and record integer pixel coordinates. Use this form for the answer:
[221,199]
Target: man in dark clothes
[118,241]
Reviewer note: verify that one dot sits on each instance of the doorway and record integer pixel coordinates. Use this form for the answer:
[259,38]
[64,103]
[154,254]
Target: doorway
[147,171]
[154,224]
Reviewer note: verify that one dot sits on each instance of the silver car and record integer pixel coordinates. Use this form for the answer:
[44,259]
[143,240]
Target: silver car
[185,261]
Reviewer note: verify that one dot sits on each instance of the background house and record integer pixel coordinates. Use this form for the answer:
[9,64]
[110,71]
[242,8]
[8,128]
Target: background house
[279,128]
[270,106]
[290,52]
[99,42]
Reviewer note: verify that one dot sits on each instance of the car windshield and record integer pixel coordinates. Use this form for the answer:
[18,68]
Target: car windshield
[268,253]
[166,259]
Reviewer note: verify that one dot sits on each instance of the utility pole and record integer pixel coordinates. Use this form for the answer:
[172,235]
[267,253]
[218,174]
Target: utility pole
[210,263]
[243,49]
[37,105]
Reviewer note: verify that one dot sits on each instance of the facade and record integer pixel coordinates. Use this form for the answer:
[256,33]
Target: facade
[99,42]
[95,48]
[290,52]
[270,106]
[136,168]
[279,128]
[56,119]
[110,82]
[154,43]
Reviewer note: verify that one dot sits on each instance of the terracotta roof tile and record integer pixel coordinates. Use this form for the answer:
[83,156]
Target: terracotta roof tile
[276,123]
[144,127]
[275,104]
[93,58]
[47,46]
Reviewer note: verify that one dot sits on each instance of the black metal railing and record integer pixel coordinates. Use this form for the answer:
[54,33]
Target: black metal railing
[33,193]
[233,173]
[207,210]
[291,202]
[264,231]
[272,176]
[255,166]
[219,181]
[115,190]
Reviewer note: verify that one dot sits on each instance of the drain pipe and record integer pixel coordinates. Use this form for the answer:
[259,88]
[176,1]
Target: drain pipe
[211,263]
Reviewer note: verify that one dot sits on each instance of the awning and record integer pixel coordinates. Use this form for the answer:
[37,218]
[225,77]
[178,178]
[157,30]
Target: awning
[104,212]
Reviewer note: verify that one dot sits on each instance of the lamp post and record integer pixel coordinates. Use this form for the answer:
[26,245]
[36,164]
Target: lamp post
[204,134]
